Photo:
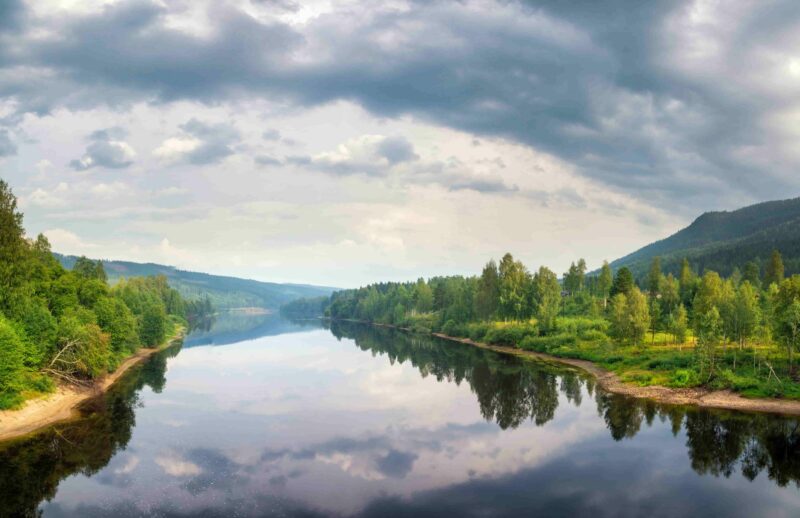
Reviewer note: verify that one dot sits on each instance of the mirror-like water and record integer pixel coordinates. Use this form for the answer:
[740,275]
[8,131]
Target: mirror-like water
[290,419]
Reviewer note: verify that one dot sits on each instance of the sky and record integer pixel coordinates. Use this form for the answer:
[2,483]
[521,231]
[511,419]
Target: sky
[346,142]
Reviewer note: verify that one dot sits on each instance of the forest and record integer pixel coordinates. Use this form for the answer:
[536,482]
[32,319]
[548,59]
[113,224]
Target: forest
[740,332]
[59,325]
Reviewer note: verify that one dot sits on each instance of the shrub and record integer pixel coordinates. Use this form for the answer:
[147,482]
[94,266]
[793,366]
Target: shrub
[548,343]
[477,331]
[685,378]
[509,334]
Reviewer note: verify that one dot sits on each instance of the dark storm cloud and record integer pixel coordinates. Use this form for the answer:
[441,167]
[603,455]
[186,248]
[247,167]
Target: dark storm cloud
[107,150]
[605,87]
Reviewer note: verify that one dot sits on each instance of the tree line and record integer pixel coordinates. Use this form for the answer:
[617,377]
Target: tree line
[721,316]
[70,325]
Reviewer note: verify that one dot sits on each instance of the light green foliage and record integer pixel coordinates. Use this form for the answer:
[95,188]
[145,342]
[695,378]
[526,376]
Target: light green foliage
[423,297]
[679,324]
[118,321]
[618,314]
[604,282]
[638,316]
[514,282]
[787,316]
[709,336]
[546,299]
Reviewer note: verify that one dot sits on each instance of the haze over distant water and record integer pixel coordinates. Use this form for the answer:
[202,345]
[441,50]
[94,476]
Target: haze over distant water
[349,141]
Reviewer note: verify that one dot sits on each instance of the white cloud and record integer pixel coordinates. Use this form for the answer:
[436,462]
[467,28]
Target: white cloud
[175,466]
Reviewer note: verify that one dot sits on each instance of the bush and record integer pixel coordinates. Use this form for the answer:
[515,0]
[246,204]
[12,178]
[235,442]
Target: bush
[477,331]
[545,344]
[685,378]
[451,328]
[509,333]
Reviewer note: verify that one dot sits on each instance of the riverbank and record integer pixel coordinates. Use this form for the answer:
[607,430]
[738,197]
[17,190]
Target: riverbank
[62,405]
[611,382]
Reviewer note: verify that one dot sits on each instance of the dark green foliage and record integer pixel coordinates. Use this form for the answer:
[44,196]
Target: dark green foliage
[69,324]
[623,282]
[721,241]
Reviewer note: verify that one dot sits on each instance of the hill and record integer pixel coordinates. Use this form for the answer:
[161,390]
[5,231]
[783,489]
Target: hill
[724,240]
[225,292]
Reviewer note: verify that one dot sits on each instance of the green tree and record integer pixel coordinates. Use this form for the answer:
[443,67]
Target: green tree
[687,282]
[786,320]
[638,316]
[12,246]
[709,335]
[618,314]
[604,282]
[487,296]
[623,282]
[546,298]
[514,280]
[670,294]
[655,317]
[745,313]
[11,362]
[773,273]
[154,325]
[752,274]
[654,278]
[679,324]
[89,269]
[423,296]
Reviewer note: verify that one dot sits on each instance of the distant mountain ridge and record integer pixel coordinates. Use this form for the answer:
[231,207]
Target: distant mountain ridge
[724,240]
[225,292]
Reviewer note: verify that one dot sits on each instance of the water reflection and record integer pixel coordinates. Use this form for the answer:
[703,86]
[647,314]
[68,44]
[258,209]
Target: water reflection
[510,391]
[30,470]
[376,422]
[230,327]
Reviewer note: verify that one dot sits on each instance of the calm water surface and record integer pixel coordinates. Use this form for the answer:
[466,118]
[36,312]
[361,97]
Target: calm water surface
[257,416]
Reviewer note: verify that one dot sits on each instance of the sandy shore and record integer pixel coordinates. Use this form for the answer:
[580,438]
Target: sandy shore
[63,403]
[691,396]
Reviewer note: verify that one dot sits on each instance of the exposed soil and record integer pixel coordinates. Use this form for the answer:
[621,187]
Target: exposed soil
[62,404]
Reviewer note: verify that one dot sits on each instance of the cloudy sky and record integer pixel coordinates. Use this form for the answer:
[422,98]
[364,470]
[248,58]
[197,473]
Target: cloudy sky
[342,142]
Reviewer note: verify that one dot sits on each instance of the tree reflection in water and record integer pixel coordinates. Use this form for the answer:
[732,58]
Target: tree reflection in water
[511,391]
[32,468]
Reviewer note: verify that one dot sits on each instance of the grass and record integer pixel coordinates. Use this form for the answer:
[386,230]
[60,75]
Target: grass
[657,361]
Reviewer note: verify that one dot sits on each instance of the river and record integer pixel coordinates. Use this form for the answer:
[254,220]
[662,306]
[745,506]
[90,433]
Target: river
[259,416]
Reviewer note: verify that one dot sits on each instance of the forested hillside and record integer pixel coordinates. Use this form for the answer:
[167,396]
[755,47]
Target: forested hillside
[70,325]
[224,292]
[724,241]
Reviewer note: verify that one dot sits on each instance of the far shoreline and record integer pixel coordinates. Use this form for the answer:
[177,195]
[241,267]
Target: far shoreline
[610,382]
[62,405]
